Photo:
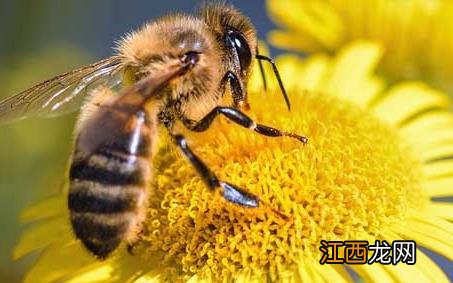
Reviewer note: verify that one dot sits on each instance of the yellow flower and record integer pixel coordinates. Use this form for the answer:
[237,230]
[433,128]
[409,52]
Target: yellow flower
[417,35]
[375,160]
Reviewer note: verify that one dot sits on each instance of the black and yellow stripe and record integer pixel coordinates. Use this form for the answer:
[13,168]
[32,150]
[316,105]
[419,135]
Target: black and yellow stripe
[108,186]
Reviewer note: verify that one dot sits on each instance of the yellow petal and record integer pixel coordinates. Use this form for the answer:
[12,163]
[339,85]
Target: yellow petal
[288,66]
[432,140]
[425,123]
[44,209]
[329,273]
[41,235]
[197,279]
[434,170]
[149,277]
[313,72]
[313,274]
[58,261]
[245,277]
[442,187]
[372,273]
[441,151]
[299,74]
[407,273]
[315,18]
[293,41]
[430,236]
[441,209]
[120,267]
[406,100]
[350,73]
[430,268]
[99,273]
[439,223]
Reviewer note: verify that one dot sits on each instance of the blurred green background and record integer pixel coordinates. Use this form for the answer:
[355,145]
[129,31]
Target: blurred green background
[40,39]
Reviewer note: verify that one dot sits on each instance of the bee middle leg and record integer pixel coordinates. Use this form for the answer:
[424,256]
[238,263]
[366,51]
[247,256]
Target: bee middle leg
[230,192]
[239,118]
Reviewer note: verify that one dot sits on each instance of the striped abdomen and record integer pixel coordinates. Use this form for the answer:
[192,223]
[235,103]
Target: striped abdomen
[109,176]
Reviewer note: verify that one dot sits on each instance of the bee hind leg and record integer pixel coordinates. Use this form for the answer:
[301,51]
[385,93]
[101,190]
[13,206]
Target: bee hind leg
[230,192]
[132,245]
[131,248]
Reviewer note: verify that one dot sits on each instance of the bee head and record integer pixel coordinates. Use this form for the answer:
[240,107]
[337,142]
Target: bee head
[235,34]
[166,41]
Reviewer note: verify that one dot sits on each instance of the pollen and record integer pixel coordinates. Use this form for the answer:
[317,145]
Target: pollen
[354,177]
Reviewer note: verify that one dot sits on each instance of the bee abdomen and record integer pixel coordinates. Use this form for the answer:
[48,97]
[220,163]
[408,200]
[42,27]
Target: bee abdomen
[108,169]
[100,233]
[106,197]
[86,196]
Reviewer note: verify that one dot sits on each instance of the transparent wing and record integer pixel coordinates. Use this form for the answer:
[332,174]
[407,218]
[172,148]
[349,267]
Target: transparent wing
[62,94]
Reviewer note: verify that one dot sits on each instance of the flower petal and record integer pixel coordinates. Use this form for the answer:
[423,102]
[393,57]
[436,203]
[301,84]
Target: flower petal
[441,151]
[350,73]
[430,268]
[432,120]
[434,139]
[149,277]
[372,273]
[407,273]
[299,74]
[429,235]
[44,209]
[330,273]
[435,170]
[293,41]
[37,237]
[442,187]
[57,261]
[431,271]
[404,101]
[99,273]
[313,18]
[441,209]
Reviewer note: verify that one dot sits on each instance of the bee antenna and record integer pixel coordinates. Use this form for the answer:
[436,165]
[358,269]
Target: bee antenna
[277,75]
[263,74]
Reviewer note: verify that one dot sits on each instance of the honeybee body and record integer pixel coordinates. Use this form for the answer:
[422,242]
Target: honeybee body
[109,179]
[111,169]
[176,69]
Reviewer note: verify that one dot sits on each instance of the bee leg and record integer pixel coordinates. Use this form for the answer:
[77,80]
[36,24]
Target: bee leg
[230,192]
[130,249]
[237,90]
[131,246]
[240,118]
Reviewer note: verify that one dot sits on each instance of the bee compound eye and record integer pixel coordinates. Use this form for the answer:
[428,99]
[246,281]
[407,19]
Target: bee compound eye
[240,44]
[191,58]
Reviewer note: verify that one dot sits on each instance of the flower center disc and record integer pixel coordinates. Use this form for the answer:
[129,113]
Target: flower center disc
[352,179]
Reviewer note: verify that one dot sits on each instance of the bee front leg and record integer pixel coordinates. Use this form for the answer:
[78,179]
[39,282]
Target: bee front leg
[239,118]
[230,192]
[237,90]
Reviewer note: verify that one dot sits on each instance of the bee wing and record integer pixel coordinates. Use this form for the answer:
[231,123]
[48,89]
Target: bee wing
[107,125]
[62,94]
[135,96]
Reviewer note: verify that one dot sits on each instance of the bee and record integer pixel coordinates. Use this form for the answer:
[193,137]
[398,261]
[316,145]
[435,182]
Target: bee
[177,68]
